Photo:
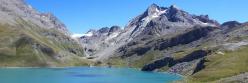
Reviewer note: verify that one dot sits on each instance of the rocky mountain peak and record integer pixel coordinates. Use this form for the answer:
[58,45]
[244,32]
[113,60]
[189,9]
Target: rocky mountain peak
[158,20]
[230,24]
[152,9]
[175,14]
[91,30]
[153,6]
[115,28]
[174,7]
[155,22]
[104,30]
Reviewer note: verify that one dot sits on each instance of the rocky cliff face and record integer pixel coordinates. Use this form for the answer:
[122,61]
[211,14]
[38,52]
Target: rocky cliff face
[154,23]
[96,41]
[31,38]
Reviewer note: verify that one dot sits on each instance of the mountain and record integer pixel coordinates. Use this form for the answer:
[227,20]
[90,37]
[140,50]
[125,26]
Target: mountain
[165,39]
[30,38]
[170,39]
[96,41]
[154,23]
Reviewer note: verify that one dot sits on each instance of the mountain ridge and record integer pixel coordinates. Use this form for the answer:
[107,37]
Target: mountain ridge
[155,15]
[165,39]
[30,38]
[170,39]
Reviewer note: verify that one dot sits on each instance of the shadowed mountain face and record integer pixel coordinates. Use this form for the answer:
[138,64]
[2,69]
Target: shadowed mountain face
[170,39]
[30,38]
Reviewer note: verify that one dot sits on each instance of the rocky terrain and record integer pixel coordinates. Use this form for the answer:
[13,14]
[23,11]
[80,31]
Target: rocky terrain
[165,39]
[170,39]
[30,38]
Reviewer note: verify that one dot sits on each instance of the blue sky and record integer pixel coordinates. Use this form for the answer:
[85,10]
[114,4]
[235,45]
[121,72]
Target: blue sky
[81,15]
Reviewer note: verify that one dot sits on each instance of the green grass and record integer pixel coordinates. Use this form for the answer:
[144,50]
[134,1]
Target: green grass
[135,61]
[222,66]
[117,62]
[183,53]
[146,59]
[14,51]
[165,68]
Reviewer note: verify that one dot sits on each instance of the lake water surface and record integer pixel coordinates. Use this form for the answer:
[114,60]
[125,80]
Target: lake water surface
[83,75]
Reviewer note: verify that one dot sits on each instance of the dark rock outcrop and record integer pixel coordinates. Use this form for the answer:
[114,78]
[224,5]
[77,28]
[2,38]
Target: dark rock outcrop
[192,56]
[205,19]
[158,64]
[134,47]
[168,61]
[200,65]
[186,38]
[104,30]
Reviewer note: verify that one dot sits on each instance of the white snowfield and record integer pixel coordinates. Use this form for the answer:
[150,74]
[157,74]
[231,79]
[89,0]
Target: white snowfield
[76,35]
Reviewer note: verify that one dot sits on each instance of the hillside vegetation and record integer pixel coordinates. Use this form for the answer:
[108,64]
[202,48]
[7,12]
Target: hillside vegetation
[26,44]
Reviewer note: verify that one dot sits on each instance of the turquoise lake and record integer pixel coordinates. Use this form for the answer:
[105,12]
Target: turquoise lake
[83,75]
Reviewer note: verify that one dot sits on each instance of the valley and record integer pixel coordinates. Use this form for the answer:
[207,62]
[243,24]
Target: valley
[161,39]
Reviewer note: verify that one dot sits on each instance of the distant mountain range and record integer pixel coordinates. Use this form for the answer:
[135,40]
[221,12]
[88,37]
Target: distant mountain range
[160,39]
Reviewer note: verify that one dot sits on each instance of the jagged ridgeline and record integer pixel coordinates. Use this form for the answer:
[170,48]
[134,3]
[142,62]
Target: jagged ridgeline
[33,39]
[170,39]
[160,39]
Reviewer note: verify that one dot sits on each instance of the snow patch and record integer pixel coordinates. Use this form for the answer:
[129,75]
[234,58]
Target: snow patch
[89,34]
[208,24]
[77,35]
[205,23]
[154,15]
[113,35]
[158,13]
